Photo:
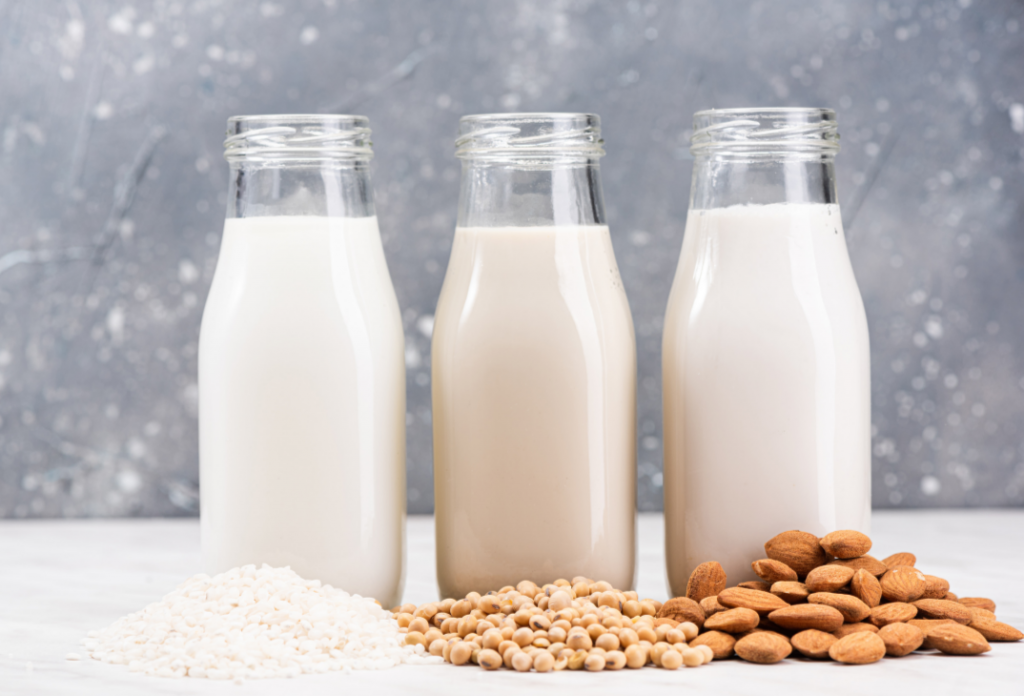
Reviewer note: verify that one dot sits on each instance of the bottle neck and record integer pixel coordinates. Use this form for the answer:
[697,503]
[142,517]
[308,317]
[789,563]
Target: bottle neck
[516,194]
[325,188]
[719,182]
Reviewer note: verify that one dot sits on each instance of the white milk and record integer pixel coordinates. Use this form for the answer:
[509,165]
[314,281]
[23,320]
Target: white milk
[534,392]
[302,405]
[766,386]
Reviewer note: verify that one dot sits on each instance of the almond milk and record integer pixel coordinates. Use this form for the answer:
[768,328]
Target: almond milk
[766,386]
[534,393]
[302,404]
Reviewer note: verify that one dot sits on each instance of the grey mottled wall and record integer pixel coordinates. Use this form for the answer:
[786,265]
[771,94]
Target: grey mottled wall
[112,196]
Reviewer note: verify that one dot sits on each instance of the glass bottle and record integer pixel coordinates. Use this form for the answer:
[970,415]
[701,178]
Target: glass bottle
[767,414]
[534,366]
[301,364]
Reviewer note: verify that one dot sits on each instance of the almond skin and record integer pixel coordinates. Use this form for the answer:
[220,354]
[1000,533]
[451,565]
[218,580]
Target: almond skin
[956,639]
[900,559]
[861,648]
[995,630]
[867,562]
[951,597]
[828,578]
[799,550]
[763,647]
[866,588]
[892,613]
[721,643]
[935,587]
[760,585]
[900,639]
[978,611]
[761,602]
[791,592]
[711,606]
[772,571]
[982,602]
[846,543]
[803,616]
[682,609]
[943,609]
[926,625]
[706,580]
[848,628]
[812,643]
[852,609]
[735,620]
[903,584]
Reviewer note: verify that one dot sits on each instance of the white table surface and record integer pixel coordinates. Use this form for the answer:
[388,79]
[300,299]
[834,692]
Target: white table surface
[60,579]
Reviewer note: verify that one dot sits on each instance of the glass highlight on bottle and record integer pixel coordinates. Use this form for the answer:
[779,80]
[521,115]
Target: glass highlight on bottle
[534,366]
[301,364]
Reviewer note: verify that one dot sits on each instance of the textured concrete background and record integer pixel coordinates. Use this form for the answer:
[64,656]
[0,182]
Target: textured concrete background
[112,193]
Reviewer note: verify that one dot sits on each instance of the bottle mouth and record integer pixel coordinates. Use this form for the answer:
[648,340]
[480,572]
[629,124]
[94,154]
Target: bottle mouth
[538,137]
[297,137]
[765,131]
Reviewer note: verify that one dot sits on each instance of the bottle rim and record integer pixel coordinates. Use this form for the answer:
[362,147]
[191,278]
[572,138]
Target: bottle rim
[287,137]
[765,131]
[530,136]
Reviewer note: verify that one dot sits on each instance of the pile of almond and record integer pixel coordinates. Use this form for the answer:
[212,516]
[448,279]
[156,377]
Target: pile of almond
[827,598]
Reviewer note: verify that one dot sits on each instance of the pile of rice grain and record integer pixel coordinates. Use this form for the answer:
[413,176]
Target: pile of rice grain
[251,623]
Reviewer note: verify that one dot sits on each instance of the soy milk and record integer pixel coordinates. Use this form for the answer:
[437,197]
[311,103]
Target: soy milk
[302,404]
[534,393]
[767,387]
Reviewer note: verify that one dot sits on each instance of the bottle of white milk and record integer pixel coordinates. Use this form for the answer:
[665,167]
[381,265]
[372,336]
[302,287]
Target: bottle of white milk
[767,414]
[301,364]
[534,366]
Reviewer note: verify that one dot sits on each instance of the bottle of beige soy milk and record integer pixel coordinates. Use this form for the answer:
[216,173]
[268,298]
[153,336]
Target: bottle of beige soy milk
[765,358]
[534,366]
[301,364]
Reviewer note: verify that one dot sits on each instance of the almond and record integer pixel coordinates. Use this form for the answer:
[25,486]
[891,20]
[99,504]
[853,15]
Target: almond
[900,559]
[951,597]
[848,628]
[799,550]
[772,571]
[901,639]
[813,643]
[767,624]
[956,639]
[903,584]
[866,588]
[995,630]
[665,621]
[791,592]
[846,543]
[943,609]
[721,644]
[711,606]
[861,648]
[934,587]
[763,647]
[828,578]
[867,562]
[682,609]
[706,580]
[850,607]
[760,585]
[804,616]
[982,602]
[892,613]
[735,620]
[761,602]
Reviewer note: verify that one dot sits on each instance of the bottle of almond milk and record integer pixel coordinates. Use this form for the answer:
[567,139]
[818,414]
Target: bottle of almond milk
[301,364]
[765,358]
[534,366]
